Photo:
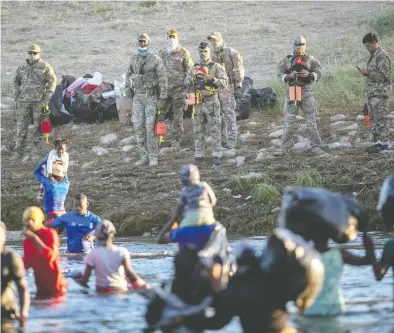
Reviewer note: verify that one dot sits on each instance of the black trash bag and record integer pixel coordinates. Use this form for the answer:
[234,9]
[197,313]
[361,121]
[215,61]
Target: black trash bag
[107,110]
[386,203]
[58,115]
[312,212]
[293,268]
[262,97]
[243,108]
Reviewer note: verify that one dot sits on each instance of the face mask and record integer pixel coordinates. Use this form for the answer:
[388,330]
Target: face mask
[216,44]
[143,50]
[300,51]
[172,45]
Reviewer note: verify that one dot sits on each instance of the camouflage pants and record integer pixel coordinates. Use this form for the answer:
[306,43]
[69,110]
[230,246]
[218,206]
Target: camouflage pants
[144,116]
[207,119]
[308,108]
[229,124]
[378,109]
[25,113]
[176,103]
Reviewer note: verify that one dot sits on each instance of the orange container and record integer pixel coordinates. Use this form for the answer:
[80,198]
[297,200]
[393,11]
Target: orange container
[161,129]
[295,94]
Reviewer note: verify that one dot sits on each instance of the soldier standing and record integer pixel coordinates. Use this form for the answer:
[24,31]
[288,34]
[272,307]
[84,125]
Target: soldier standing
[203,80]
[232,61]
[300,69]
[378,88]
[148,81]
[34,84]
[177,61]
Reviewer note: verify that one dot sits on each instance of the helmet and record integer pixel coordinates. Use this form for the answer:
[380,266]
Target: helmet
[35,213]
[173,33]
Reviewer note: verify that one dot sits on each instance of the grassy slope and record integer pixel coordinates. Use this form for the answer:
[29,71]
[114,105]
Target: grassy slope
[140,199]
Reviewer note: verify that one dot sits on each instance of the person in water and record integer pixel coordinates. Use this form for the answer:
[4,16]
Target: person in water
[330,301]
[41,253]
[195,204]
[12,273]
[385,209]
[111,263]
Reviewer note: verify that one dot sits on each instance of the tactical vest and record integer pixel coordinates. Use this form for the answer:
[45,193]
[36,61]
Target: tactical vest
[206,88]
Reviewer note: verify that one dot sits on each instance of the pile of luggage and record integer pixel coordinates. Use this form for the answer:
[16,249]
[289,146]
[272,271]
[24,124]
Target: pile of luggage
[83,99]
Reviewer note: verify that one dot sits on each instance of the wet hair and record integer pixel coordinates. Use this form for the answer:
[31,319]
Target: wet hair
[370,38]
[59,142]
[80,196]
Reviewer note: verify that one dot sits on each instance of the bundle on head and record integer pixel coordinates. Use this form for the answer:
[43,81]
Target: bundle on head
[312,212]
[293,269]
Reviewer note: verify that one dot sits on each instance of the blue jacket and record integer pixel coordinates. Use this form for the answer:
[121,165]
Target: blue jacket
[54,193]
[77,226]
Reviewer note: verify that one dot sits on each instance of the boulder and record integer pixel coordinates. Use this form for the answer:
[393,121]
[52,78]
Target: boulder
[99,150]
[108,138]
[338,117]
[276,134]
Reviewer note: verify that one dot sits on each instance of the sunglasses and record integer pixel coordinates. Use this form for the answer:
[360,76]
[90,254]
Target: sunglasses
[300,44]
[30,53]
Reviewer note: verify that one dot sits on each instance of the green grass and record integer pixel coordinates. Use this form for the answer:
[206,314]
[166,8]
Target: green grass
[147,4]
[309,178]
[263,193]
[341,89]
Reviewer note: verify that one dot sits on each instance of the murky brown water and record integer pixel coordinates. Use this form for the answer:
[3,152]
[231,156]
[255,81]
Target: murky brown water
[369,303]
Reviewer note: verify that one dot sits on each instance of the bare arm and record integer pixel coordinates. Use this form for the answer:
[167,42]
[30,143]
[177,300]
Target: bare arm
[24,300]
[354,260]
[211,193]
[161,239]
[86,275]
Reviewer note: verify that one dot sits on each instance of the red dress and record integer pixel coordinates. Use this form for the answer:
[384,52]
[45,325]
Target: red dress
[46,264]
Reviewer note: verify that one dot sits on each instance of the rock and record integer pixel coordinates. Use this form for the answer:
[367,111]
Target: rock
[336,145]
[360,117]
[303,143]
[363,144]
[228,153]
[240,160]
[99,150]
[344,139]
[146,234]
[391,130]
[127,160]
[387,151]
[340,124]
[252,175]
[4,107]
[75,127]
[260,156]
[25,159]
[275,210]
[227,190]
[166,174]
[246,136]
[72,163]
[108,139]
[231,161]
[353,133]
[208,140]
[338,117]
[390,116]
[4,150]
[352,127]
[276,134]
[276,142]
[127,141]
[252,124]
[299,118]
[127,148]
[166,151]
[88,165]
[278,152]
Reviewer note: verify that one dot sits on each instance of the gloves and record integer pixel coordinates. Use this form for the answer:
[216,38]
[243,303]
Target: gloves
[238,93]
[161,104]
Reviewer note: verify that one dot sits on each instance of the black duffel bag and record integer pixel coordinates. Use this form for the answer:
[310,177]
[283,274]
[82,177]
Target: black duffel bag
[262,97]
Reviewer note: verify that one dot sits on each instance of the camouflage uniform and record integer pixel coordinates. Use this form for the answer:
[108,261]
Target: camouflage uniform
[149,80]
[34,84]
[378,88]
[232,61]
[177,63]
[307,104]
[207,114]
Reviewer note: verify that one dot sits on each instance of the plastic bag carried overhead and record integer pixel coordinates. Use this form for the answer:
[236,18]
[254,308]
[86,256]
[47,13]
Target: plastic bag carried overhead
[312,212]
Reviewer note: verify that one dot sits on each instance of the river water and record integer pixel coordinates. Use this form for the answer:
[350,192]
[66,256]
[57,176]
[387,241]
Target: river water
[369,303]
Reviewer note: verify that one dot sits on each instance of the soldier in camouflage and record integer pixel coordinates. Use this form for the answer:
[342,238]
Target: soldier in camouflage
[378,88]
[34,84]
[205,78]
[232,61]
[148,80]
[177,61]
[291,74]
